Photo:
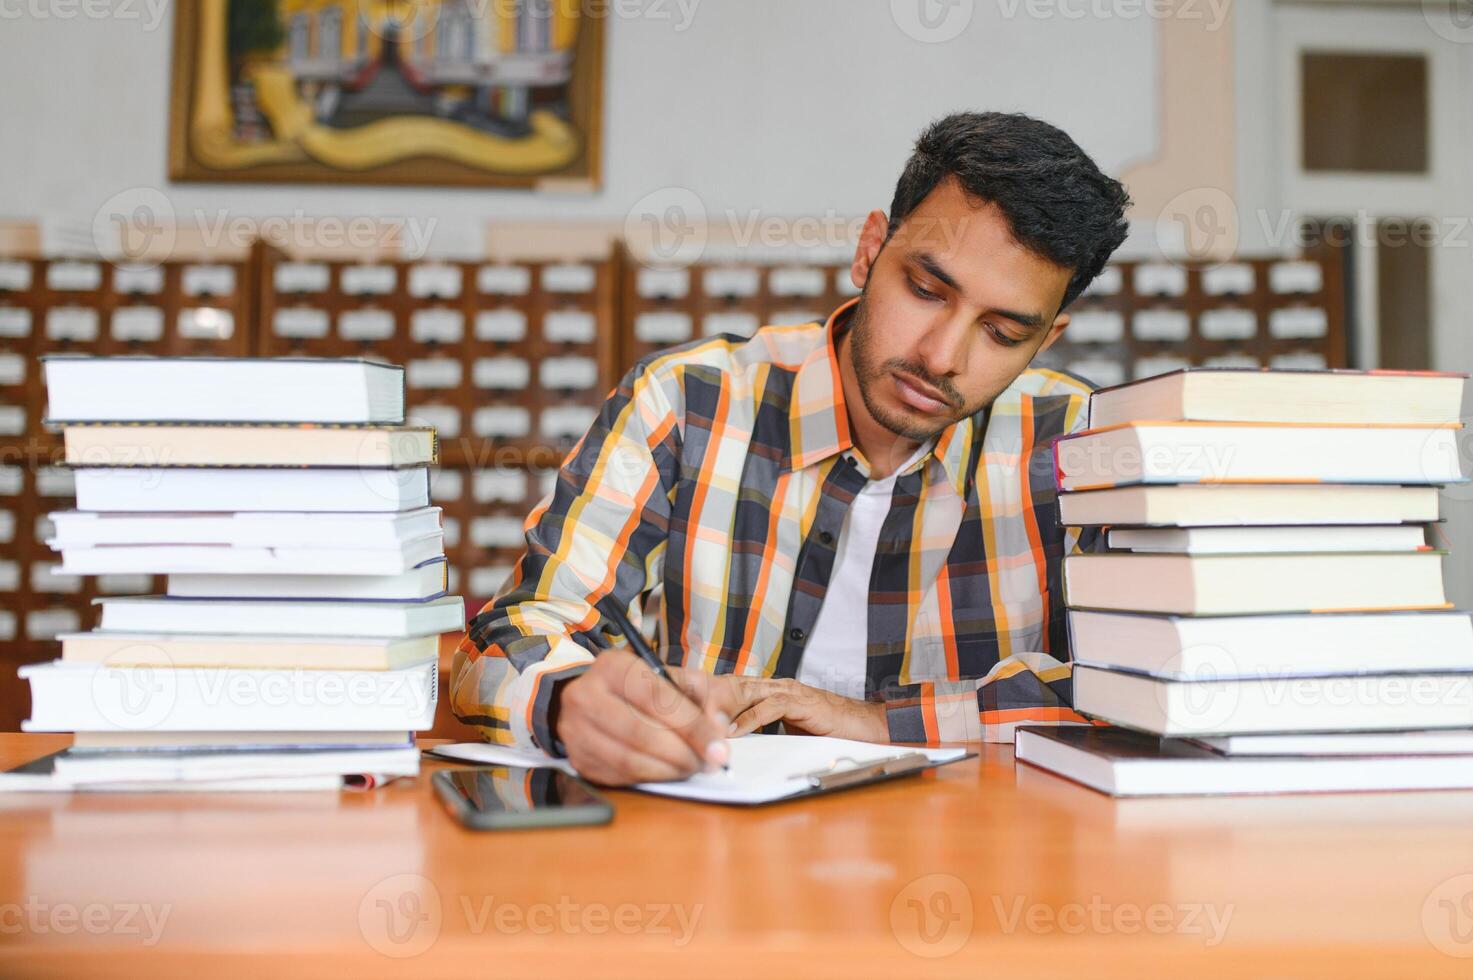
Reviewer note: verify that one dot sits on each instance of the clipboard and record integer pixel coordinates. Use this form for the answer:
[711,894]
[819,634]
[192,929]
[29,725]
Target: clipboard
[836,777]
[758,775]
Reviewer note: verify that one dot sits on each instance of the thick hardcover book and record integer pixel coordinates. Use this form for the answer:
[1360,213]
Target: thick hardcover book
[222,389]
[274,444]
[1277,395]
[1237,452]
[1125,763]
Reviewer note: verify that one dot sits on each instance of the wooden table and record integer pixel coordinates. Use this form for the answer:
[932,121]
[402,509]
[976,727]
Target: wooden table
[978,870]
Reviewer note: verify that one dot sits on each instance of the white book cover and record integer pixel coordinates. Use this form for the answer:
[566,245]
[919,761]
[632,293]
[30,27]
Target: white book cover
[88,697]
[1125,763]
[426,581]
[1274,705]
[1249,505]
[1281,645]
[1258,540]
[106,767]
[1186,452]
[246,529]
[238,488]
[301,617]
[222,389]
[1346,744]
[176,559]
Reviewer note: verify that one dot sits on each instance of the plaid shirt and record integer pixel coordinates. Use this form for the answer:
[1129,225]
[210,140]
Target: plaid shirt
[720,473]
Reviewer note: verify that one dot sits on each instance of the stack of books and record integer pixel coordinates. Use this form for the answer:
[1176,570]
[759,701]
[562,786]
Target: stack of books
[296,646]
[1269,615]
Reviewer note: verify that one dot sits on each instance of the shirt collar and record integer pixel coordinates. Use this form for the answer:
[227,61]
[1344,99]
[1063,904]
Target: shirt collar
[818,419]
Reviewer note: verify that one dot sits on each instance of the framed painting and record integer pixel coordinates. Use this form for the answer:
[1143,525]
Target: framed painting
[497,93]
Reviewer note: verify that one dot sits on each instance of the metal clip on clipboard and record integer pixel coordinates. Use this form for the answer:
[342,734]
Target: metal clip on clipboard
[832,777]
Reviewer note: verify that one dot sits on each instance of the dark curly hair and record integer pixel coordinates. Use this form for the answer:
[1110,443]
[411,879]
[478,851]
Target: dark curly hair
[1059,204]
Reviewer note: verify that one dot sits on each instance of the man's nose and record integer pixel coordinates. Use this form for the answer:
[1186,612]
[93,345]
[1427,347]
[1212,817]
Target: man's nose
[943,348]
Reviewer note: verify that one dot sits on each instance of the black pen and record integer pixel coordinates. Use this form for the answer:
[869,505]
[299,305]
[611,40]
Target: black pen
[642,650]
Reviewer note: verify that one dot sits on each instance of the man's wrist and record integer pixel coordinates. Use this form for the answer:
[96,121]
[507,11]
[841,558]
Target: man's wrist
[554,714]
[877,722]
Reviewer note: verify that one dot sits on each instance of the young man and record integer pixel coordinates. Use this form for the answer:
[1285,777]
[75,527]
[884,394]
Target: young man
[853,524]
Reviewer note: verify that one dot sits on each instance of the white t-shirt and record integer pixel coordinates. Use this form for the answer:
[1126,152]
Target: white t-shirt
[834,659]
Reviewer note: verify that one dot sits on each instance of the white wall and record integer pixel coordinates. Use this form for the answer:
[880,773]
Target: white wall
[781,108]
[1271,184]
[793,107]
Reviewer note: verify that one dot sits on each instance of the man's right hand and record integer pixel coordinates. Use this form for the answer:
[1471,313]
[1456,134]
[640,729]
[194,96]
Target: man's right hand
[621,723]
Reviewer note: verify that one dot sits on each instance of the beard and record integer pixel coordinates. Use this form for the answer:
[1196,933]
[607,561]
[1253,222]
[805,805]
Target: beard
[871,375]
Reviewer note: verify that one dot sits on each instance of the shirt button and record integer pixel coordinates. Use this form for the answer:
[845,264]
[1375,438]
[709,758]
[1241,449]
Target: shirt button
[796,635]
[825,538]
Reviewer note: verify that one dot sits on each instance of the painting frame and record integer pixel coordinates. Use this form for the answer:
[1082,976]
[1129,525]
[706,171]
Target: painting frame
[197,56]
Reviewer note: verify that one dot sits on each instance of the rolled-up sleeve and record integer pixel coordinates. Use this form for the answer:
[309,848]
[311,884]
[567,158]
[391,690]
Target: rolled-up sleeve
[601,533]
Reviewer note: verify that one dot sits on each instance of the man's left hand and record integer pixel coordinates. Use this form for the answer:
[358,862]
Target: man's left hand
[752,702]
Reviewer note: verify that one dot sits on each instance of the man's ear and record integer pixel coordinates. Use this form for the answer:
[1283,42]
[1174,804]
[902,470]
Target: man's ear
[1060,322]
[871,239]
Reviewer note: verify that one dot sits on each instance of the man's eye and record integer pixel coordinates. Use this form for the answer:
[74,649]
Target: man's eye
[1002,338]
[922,291]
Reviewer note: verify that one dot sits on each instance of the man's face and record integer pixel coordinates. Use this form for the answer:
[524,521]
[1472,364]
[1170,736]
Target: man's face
[953,309]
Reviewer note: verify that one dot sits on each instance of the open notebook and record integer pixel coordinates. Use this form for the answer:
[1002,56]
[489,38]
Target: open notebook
[763,768]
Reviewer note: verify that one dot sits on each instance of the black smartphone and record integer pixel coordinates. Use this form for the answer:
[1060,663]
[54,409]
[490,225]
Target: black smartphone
[512,798]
